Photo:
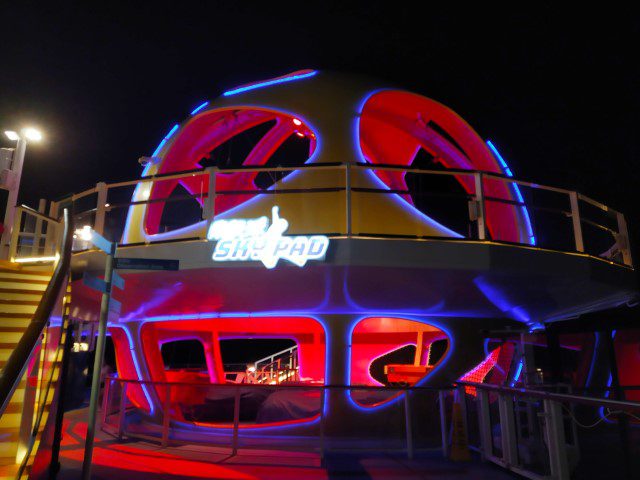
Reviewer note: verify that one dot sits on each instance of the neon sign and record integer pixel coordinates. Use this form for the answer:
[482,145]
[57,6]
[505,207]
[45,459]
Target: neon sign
[257,240]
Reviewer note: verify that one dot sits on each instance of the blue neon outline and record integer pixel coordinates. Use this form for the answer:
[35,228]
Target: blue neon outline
[165,139]
[199,107]
[133,352]
[516,191]
[267,83]
[392,400]
[518,372]
[608,392]
[593,359]
[202,223]
[411,209]
[211,315]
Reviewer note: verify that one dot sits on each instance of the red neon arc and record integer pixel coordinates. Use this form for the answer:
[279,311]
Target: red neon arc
[202,134]
[394,125]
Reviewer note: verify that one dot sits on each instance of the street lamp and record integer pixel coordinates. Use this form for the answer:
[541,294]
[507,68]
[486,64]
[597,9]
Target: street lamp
[11,179]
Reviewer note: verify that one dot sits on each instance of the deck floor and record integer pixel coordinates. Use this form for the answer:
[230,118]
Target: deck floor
[133,460]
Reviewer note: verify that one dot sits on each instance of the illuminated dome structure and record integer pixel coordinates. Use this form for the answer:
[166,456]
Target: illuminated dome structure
[369,226]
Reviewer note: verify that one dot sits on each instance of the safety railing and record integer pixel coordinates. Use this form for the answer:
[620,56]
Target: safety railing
[469,203]
[34,235]
[546,435]
[536,434]
[202,413]
[35,359]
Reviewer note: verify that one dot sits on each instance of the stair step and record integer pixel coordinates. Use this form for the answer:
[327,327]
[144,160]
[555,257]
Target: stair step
[14,325]
[10,337]
[35,276]
[10,420]
[19,293]
[19,301]
[7,308]
[26,281]
[24,285]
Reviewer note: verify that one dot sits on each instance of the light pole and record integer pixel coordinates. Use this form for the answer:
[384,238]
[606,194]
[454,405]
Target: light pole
[13,180]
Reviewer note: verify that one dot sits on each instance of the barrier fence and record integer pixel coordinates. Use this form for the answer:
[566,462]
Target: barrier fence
[550,217]
[536,434]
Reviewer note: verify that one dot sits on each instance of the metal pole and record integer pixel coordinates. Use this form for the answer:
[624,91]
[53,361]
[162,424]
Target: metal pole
[123,408]
[37,231]
[623,234]
[15,234]
[479,188]
[558,461]
[443,424]
[54,466]
[348,195]
[12,200]
[484,424]
[236,420]
[577,224]
[97,365]
[165,417]
[101,209]
[322,447]
[508,429]
[105,399]
[407,423]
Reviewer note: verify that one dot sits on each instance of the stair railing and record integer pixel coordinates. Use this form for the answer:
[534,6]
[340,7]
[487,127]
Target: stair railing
[19,359]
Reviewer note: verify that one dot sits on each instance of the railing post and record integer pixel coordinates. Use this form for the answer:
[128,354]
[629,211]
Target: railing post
[121,413]
[98,224]
[15,234]
[37,231]
[51,240]
[323,394]
[443,423]
[407,423]
[479,189]
[577,225]
[236,420]
[508,430]
[209,207]
[623,239]
[105,399]
[348,197]
[166,416]
[556,442]
[484,424]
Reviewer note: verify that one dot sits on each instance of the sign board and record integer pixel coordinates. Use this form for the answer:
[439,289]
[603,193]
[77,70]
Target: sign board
[258,240]
[145,264]
[102,243]
[117,281]
[94,282]
[115,306]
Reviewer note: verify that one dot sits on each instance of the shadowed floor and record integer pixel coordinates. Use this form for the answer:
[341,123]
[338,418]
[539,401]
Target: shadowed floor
[134,460]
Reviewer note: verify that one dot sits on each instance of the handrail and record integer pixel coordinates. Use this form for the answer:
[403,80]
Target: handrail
[37,214]
[18,360]
[558,397]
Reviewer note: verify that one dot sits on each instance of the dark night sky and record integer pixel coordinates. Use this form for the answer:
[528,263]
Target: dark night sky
[559,93]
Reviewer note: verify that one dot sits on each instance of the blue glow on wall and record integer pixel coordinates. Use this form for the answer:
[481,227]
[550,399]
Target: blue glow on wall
[268,83]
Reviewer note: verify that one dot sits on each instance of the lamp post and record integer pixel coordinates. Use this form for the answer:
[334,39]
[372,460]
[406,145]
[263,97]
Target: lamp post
[17,162]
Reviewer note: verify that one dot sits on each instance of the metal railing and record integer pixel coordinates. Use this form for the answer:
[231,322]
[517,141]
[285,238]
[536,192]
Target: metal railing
[555,218]
[539,434]
[34,234]
[181,420]
[530,432]
[40,339]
